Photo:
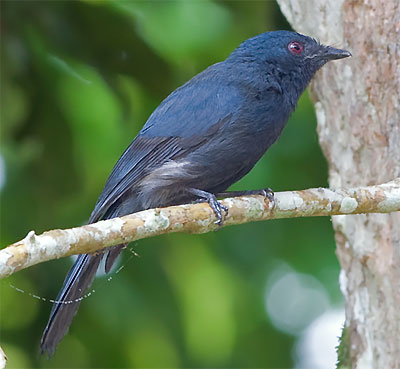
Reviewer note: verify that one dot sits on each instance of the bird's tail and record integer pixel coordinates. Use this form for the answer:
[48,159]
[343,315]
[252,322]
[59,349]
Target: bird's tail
[77,281]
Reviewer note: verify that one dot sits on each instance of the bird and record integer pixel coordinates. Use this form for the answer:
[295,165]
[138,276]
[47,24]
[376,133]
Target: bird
[205,136]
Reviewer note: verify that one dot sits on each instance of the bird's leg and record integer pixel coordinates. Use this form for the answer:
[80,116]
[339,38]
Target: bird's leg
[216,206]
[266,192]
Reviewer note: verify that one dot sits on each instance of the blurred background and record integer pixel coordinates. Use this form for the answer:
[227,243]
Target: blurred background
[78,80]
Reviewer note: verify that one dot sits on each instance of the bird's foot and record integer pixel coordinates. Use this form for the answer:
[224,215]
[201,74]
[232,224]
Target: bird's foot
[269,194]
[215,205]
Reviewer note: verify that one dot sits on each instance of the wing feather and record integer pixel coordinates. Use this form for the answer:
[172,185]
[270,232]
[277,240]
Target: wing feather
[142,155]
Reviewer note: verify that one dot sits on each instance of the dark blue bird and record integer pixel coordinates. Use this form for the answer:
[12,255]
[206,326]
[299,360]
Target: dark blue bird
[202,138]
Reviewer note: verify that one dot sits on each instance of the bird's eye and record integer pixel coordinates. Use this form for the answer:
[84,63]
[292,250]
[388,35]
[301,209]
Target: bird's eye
[295,47]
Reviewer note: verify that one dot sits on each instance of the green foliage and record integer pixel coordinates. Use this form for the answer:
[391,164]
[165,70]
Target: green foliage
[79,79]
[343,350]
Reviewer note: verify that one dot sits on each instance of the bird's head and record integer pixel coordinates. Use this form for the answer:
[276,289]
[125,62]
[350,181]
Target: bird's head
[288,52]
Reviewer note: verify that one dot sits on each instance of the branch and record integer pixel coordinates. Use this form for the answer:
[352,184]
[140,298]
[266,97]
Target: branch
[196,218]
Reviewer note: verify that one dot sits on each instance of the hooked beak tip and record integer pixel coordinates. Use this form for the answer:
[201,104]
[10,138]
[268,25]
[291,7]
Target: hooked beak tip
[333,54]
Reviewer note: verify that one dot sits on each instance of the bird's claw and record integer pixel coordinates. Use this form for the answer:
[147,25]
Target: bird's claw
[215,205]
[218,208]
[269,194]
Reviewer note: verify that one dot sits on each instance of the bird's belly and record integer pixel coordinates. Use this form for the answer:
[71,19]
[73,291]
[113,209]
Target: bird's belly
[167,185]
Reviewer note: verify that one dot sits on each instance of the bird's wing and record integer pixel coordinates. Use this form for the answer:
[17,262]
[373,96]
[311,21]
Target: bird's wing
[183,121]
[141,155]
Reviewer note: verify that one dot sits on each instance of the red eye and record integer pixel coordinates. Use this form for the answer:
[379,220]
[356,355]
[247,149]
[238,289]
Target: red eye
[295,47]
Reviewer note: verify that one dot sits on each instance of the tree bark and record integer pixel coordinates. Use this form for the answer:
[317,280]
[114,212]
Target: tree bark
[357,103]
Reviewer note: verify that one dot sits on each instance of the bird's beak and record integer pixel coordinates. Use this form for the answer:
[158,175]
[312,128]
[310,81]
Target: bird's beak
[330,53]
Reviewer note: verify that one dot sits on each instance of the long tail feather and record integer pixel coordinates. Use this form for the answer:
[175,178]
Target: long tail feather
[78,280]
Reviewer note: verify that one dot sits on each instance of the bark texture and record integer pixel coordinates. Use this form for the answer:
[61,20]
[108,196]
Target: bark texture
[357,104]
[196,218]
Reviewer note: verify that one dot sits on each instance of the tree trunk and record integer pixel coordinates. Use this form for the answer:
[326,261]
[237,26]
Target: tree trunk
[357,103]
